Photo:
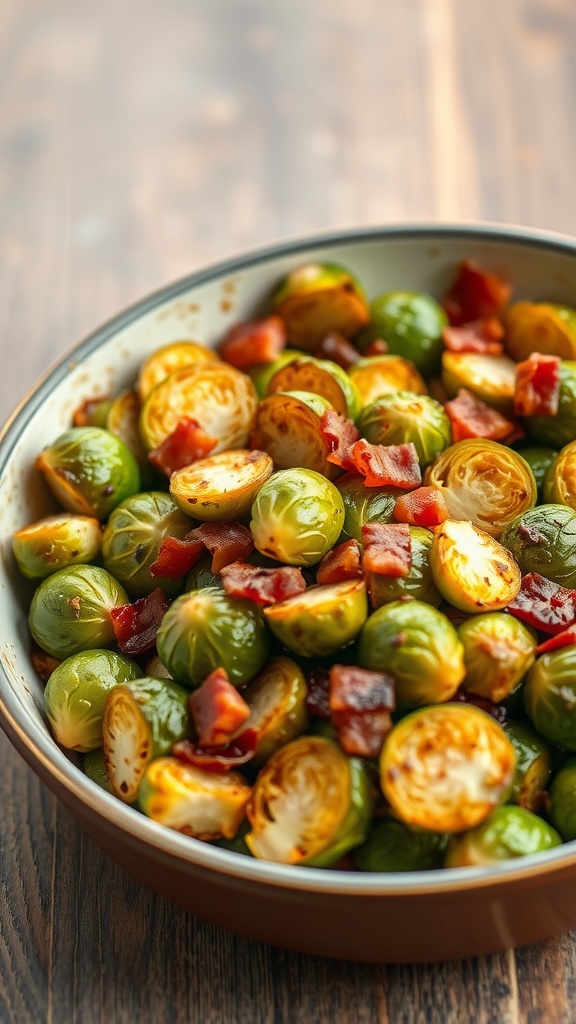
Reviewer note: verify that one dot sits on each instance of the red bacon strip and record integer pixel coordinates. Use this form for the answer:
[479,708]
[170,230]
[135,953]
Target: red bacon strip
[226,541]
[484,336]
[340,434]
[256,341]
[387,549]
[136,625]
[471,417]
[185,445]
[217,710]
[176,557]
[263,586]
[342,563]
[423,507]
[84,415]
[338,349]
[378,347]
[394,465]
[537,390]
[317,698]
[239,751]
[476,294]
[547,606]
[360,704]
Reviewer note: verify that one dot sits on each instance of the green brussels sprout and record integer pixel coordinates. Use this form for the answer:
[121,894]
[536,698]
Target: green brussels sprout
[509,832]
[321,620]
[491,378]
[288,425]
[374,376]
[364,505]
[76,692]
[261,373]
[204,630]
[70,610]
[318,298]
[164,361]
[560,481]
[94,766]
[203,804]
[89,470]
[277,702]
[560,429]
[221,486]
[563,800]
[133,537]
[419,646]
[322,377]
[445,768]
[540,327]
[484,482]
[498,651]
[394,846]
[419,583]
[56,542]
[310,804]
[539,458]
[403,417]
[543,540]
[201,575]
[550,696]
[533,765]
[297,517]
[411,324]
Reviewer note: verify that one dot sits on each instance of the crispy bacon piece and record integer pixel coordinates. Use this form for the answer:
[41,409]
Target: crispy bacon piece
[378,347]
[387,549]
[176,557]
[83,415]
[394,465]
[340,435]
[564,639]
[545,605]
[360,704]
[423,507]
[537,390]
[136,625]
[317,698]
[471,417]
[256,341]
[484,336]
[217,710]
[476,294]
[226,541]
[263,586]
[342,563]
[239,751]
[336,347]
[185,445]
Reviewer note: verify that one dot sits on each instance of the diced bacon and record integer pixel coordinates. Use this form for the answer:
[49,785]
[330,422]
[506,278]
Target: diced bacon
[378,347]
[360,704]
[342,563]
[317,698]
[387,549]
[239,751]
[537,390]
[471,417]
[176,557]
[83,415]
[423,507]
[394,465]
[217,710]
[545,605]
[226,541]
[338,349]
[484,336]
[188,443]
[263,586]
[256,341]
[340,435]
[564,639]
[136,625]
[476,294]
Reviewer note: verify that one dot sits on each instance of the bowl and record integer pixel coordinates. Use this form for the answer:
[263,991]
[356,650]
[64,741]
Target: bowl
[386,918]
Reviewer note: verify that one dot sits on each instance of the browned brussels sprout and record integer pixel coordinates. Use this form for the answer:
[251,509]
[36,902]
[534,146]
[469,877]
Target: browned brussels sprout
[176,355]
[540,327]
[321,620]
[498,651]
[384,375]
[471,569]
[490,378]
[277,702]
[199,803]
[288,425]
[533,766]
[323,378]
[56,542]
[221,486]
[318,298]
[560,481]
[297,517]
[406,417]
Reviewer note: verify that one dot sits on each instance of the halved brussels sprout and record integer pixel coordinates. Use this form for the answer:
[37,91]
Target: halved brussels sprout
[318,298]
[219,397]
[490,378]
[94,766]
[176,355]
[419,646]
[123,420]
[394,846]
[261,373]
[321,620]
[89,470]
[70,610]
[297,517]
[533,765]
[539,458]
[277,702]
[445,768]
[56,542]
[509,832]
[484,482]
[133,537]
[221,486]
[364,505]
[419,583]
[540,327]
[288,425]
[198,803]
[560,429]
[205,629]
[563,800]
[411,324]
[471,569]
[406,417]
[322,377]
[498,651]
[76,692]
[550,696]
[384,375]
[560,482]
[310,804]
[543,540]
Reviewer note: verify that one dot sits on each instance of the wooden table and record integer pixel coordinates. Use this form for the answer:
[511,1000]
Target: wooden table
[138,141]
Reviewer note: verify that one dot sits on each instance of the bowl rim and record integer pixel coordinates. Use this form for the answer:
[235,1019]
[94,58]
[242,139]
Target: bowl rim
[43,754]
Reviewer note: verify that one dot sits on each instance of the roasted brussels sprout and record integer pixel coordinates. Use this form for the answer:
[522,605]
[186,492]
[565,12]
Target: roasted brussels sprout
[288,425]
[411,324]
[277,702]
[543,540]
[403,417]
[490,378]
[221,486]
[550,696]
[321,620]
[56,542]
[540,327]
[394,846]
[76,692]
[484,482]
[445,768]
[471,569]
[509,832]
[133,536]
[322,377]
[176,355]
[202,804]
[318,298]
[560,429]
[498,651]
[533,765]
[419,583]
[384,375]
[563,800]
[204,630]
[419,646]
[297,517]
[94,766]
[89,470]
[560,480]
[364,505]
[201,575]
[310,804]
[261,373]
[70,610]
[539,458]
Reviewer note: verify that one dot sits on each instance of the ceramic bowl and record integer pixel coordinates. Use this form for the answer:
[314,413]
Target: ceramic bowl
[372,917]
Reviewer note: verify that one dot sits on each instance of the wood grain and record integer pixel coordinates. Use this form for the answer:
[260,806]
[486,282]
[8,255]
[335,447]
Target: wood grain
[138,141]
